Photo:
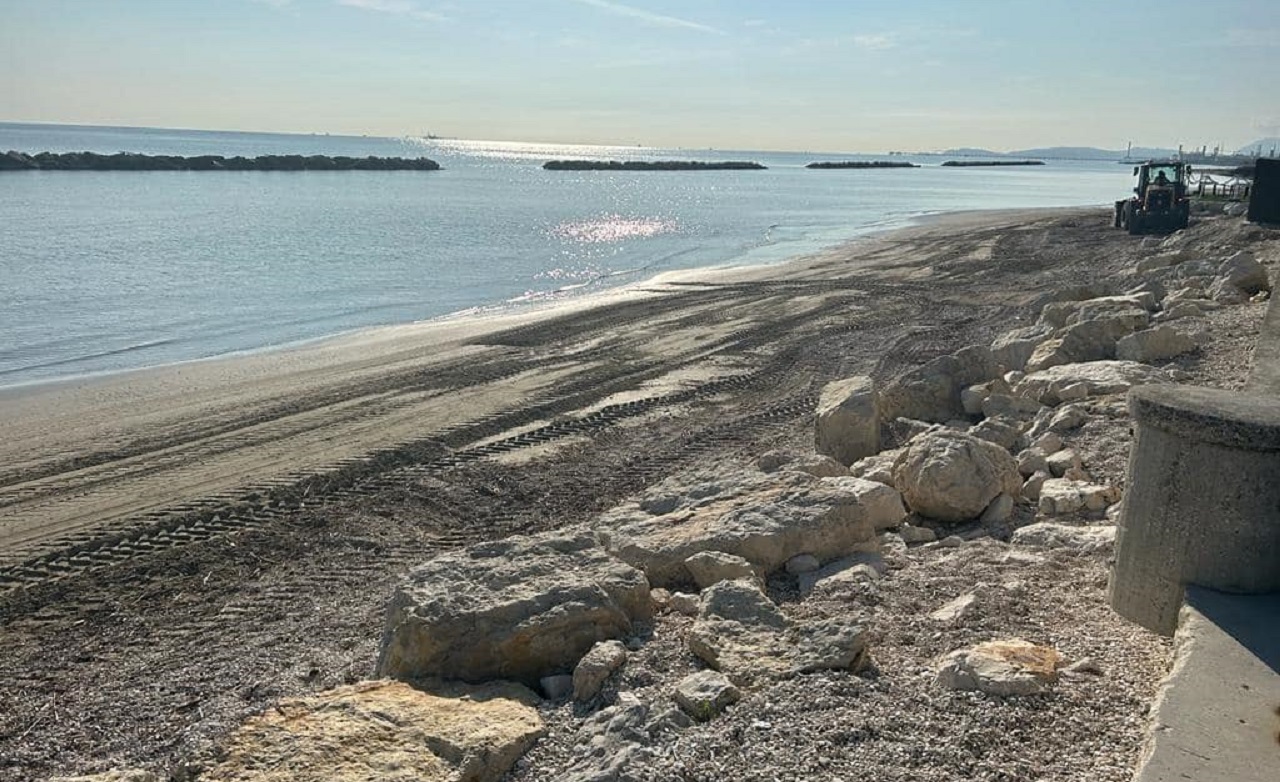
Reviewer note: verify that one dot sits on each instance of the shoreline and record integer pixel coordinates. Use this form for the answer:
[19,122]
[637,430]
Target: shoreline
[475,322]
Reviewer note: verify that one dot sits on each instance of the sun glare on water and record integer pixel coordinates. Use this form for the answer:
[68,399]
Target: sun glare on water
[612,228]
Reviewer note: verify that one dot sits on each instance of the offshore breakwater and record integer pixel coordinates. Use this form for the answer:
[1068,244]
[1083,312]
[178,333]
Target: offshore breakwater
[128,161]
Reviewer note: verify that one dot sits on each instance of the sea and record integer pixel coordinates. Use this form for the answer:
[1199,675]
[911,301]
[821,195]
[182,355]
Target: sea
[108,271]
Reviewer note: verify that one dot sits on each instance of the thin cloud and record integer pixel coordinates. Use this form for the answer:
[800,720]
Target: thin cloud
[398,7]
[648,17]
[875,42]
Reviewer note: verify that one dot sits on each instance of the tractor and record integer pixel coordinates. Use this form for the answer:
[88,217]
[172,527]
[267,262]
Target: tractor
[1160,202]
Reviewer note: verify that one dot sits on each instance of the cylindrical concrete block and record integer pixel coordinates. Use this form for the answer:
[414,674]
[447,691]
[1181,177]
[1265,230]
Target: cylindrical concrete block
[1202,501]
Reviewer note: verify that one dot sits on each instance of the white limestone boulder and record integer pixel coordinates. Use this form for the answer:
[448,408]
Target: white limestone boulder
[520,608]
[847,425]
[1006,667]
[385,730]
[1047,534]
[954,476]
[1156,344]
[1100,377]
[764,518]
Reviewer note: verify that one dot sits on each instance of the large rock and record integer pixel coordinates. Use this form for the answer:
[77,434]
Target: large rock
[1013,349]
[954,476]
[595,668]
[705,694]
[764,518]
[848,420]
[742,634]
[520,608]
[616,744]
[712,567]
[932,392]
[1243,273]
[1099,377]
[386,731]
[1046,534]
[1061,496]
[1007,667]
[1157,344]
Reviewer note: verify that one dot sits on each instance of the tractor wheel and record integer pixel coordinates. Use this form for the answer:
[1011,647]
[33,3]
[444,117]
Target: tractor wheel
[1119,210]
[1132,220]
[1184,217]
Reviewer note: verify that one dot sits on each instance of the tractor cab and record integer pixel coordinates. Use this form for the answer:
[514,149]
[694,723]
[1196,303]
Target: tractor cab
[1160,199]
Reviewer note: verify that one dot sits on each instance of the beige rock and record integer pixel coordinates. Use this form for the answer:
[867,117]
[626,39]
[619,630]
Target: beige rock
[1031,461]
[1062,496]
[1045,534]
[595,668]
[1242,272]
[1068,418]
[819,466]
[520,608]
[1004,431]
[764,518]
[1048,443]
[1102,377]
[848,420]
[710,567]
[878,468]
[954,476]
[684,603]
[386,731]
[802,563]
[932,391]
[1156,344]
[956,609]
[1031,489]
[1006,667]
[740,633]
[835,575]
[706,694]
[912,534]
[1062,461]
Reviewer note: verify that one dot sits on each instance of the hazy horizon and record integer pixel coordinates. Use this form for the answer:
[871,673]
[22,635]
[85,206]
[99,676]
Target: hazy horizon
[747,74]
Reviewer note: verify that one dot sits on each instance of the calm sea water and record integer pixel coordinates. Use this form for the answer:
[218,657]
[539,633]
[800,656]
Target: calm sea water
[103,271]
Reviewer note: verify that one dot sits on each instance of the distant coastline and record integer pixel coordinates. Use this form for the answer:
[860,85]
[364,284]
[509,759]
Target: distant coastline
[861,164]
[976,163]
[650,165]
[129,161]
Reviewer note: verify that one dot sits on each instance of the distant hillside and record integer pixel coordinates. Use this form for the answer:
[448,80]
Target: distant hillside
[1065,153]
[1264,144]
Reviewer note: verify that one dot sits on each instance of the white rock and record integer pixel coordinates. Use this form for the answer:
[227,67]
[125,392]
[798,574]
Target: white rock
[1045,534]
[1031,461]
[955,609]
[802,563]
[1156,344]
[1102,377]
[522,608]
[1048,443]
[706,694]
[1068,418]
[819,466]
[860,567]
[764,518]
[684,603]
[1243,272]
[710,567]
[912,534]
[1031,489]
[953,476]
[595,668]
[1007,667]
[1062,461]
[848,420]
[878,468]
[1063,496]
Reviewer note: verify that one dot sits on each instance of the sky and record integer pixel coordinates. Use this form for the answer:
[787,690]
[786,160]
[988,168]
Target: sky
[806,75]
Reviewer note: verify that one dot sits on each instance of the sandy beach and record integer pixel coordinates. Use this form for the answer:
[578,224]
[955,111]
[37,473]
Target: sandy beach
[181,546]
